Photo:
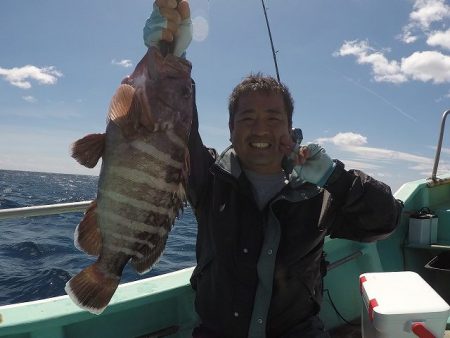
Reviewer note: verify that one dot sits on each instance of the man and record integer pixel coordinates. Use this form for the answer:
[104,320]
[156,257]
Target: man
[260,237]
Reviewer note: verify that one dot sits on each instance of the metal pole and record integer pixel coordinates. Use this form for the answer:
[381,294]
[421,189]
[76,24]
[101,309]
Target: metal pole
[43,210]
[344,260]
[439,146]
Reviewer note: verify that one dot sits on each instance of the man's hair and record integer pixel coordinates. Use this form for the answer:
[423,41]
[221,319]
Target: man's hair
[264,84]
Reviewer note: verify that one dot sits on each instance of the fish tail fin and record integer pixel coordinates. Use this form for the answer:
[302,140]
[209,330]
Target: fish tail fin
[92,288]
[88,150]
[87,235]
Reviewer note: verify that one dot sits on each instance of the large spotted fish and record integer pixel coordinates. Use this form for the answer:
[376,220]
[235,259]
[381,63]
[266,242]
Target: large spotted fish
[141,188]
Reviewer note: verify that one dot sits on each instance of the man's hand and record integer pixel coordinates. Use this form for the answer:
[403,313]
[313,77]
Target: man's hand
[169,21]
[311,163]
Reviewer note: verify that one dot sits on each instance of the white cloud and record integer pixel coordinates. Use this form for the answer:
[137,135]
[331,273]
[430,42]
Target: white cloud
[29,98]
[443,97]
[353,145]
[386,159]
[428,18]
[439,39]
[422,66]
[379,162]
[123,63]
[360,165]
[443,150]
[408,36]
[20,77]
[345,139]
[380,154]
[383,69]
[427,66]
[424,14]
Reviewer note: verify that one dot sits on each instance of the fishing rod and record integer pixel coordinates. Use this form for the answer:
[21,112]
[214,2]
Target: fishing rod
[274,53]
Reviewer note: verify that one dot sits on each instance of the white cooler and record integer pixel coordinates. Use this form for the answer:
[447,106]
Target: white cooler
[401,304]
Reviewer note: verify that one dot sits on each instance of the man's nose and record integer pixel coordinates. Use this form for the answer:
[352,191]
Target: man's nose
[260,127]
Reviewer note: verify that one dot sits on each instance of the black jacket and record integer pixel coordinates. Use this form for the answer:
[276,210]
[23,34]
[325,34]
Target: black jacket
[260,271]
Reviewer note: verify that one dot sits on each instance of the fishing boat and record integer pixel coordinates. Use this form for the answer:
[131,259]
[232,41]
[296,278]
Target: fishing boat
[162,306]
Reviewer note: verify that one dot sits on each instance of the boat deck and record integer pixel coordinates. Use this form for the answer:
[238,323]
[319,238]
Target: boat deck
[352,330]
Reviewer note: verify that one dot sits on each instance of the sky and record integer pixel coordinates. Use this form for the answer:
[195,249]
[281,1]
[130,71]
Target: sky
[370,79]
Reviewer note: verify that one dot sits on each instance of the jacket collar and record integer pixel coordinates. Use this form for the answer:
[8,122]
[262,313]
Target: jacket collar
[229,162]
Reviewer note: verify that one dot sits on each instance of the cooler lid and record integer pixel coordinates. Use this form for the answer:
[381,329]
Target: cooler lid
[400,293]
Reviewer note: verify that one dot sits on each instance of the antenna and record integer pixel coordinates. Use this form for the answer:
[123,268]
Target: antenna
[274,53]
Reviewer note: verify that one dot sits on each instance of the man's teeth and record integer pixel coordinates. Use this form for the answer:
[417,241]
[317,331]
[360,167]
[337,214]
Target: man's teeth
[260,145]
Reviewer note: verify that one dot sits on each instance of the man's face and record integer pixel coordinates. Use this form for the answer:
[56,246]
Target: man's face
[260,123]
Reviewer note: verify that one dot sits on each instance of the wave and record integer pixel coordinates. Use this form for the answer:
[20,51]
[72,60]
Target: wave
[23,250]
[41,284]
[8,204]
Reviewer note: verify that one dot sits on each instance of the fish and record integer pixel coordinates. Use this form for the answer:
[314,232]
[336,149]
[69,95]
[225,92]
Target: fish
[143,177]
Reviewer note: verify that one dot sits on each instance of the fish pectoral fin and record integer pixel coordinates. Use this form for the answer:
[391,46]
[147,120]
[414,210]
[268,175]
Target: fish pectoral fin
[121,103]
[127,112]
[151,256]
[87,236]
[92,288]
[88,150]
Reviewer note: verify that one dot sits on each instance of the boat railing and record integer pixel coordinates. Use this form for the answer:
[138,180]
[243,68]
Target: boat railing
[433,177]
[44,210]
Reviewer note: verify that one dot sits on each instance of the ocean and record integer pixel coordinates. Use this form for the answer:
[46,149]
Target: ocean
[37,254]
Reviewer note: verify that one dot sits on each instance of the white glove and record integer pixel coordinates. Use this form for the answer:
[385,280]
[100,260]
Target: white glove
[317,167]
[157,23]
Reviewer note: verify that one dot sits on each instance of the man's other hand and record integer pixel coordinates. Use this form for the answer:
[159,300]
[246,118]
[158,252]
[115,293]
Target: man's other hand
[170,21]
[312,164]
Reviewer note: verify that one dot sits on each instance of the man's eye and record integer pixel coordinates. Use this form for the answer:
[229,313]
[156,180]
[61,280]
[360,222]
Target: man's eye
[245,119]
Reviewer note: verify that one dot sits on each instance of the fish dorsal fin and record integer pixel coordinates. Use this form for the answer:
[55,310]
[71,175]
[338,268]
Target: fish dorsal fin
[121,103]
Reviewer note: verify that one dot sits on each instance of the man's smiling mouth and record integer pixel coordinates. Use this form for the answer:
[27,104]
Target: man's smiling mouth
[260,145]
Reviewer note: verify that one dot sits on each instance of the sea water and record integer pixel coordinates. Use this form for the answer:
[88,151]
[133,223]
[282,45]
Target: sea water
[37,254]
